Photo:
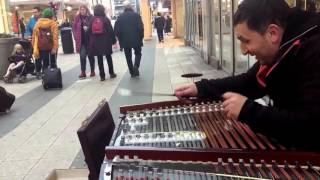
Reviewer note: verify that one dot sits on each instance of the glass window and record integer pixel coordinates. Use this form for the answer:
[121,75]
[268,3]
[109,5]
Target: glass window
[226,37]
[215,35]
[199,24]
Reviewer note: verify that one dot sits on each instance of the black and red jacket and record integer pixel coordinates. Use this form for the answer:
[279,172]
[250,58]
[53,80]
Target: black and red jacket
[293,83]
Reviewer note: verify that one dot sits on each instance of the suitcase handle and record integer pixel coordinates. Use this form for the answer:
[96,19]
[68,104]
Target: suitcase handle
[54,55]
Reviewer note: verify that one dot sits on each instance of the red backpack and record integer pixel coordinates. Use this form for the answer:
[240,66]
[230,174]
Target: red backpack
[45,39]
[97,25]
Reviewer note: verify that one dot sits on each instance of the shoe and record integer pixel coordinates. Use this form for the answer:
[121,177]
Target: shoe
[92,74]
[38,75]
[113,75]
[7,79]
[136,71]
[22,79]
[82,75]
[102,78]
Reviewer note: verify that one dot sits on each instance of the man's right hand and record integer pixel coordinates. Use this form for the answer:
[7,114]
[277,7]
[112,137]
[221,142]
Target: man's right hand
[188,90]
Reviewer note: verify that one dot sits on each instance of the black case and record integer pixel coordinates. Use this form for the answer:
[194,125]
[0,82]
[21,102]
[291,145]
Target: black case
[6,100]
[94,135]
[52,78]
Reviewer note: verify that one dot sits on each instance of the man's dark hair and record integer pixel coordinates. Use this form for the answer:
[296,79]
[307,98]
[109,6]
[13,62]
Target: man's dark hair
[37,8]
[99,10]
[258,14]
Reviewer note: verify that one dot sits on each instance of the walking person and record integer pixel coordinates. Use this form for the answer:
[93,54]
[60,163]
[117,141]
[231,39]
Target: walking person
[80,31]
[45,42]
[22,27]
[159,24]
[101,39]
[130,32]
[168,25]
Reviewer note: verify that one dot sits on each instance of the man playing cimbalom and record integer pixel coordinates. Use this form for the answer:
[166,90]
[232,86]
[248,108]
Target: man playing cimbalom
[286,43]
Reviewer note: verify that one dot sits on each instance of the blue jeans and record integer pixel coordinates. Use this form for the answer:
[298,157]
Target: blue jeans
[83,59]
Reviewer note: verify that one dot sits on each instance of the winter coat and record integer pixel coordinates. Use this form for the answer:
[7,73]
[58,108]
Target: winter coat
[44,23]
[101,44]
[129,29]
[160,22]
[168,25]
[16,58]
[77,29]
[293,83]
[32,22]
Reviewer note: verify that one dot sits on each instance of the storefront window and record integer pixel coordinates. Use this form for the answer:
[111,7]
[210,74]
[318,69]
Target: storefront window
[215,34]
[199,25]
[226,37]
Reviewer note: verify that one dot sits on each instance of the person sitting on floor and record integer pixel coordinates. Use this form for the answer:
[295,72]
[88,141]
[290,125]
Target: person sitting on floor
[17,60]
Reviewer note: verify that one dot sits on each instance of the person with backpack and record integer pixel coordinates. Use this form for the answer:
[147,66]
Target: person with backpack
[129,30]
[101,39]
[45,41]
[81,36]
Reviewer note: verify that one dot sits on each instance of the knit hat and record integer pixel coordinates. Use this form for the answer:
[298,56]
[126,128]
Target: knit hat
[47,13]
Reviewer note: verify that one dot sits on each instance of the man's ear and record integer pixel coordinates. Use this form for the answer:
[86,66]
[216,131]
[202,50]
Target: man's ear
[274,33]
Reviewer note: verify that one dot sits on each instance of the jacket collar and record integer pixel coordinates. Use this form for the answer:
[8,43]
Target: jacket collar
[299,26]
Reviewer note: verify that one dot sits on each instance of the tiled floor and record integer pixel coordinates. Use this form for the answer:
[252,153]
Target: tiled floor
[46,139]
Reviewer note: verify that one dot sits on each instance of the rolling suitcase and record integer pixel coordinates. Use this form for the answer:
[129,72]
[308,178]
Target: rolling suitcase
[6,100]
[52,78]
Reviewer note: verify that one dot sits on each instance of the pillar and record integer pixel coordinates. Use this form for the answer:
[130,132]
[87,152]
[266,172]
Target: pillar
[145,12]
[4,20]
[177,7]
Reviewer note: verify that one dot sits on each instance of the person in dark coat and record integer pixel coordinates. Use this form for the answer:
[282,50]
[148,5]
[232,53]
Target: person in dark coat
[100,44]
[168,25]
[129,30]
[286,44]
[159,24]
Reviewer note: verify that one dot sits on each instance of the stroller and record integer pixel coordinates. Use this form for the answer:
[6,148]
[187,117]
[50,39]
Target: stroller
[28,67]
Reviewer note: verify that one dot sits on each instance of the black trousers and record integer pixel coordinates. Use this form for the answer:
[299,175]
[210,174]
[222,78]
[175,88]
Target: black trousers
[46,59]
[137,58]
[83,59]
[101,66]
[160,34]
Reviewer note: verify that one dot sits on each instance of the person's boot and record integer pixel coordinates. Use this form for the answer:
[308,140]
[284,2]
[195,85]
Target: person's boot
[38,75]
[114,75]
[92,74]
[82,75]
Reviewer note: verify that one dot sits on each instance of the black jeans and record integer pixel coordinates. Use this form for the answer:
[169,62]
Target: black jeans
[83,59]
[137,58]
[46,59]
[160,34]
[101,67]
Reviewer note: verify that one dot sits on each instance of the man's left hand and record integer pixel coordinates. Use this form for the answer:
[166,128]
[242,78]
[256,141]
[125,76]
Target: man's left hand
[232,104]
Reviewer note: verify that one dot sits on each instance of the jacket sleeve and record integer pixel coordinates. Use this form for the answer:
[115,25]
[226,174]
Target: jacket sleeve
[30,25]
[111,31]
[74,26]
[292,127]
[141,28]
[55,33]
[117,29]
[245,84]
[11,59]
